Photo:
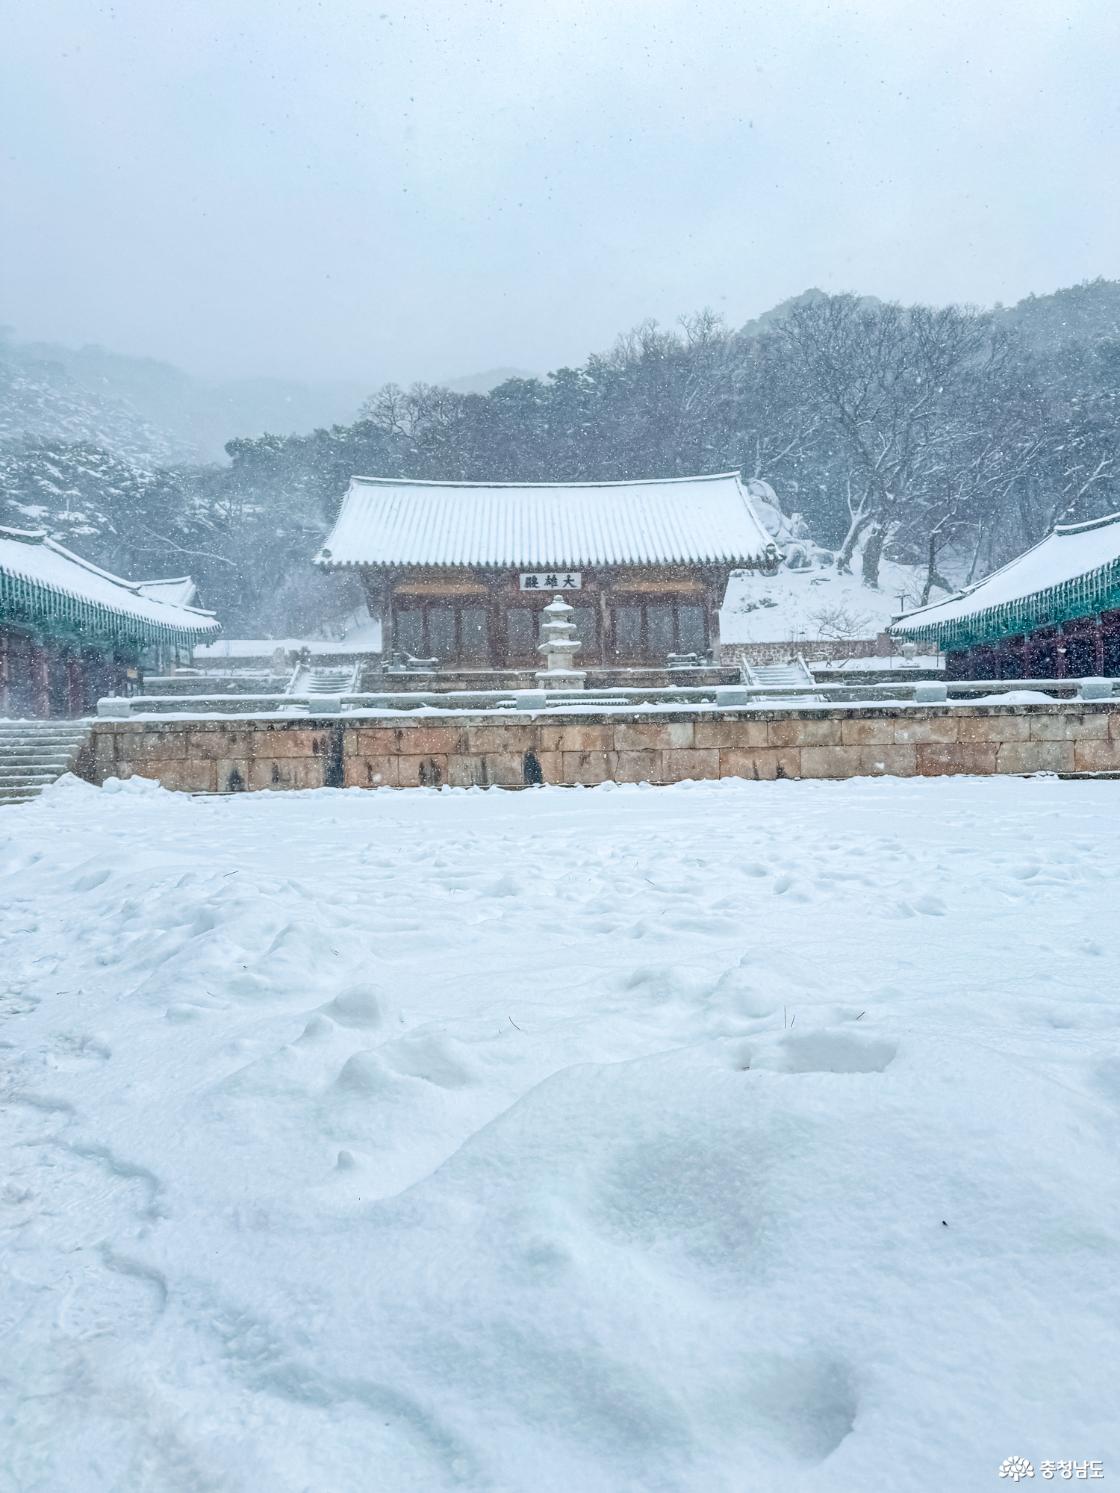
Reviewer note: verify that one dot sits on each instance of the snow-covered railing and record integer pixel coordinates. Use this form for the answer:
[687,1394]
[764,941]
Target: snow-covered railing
[720,697]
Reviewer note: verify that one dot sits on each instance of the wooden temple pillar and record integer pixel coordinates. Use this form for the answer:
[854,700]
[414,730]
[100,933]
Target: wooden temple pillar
[959,664]
[378,593]
[496,647]
[74,686]
[1110,643]
[715,589]
[40,671]
[607,640]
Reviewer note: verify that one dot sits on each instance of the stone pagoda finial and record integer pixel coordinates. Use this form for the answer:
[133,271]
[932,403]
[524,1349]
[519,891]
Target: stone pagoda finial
[559,645]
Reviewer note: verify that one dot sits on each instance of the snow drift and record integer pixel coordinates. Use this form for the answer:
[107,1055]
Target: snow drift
[714,1138]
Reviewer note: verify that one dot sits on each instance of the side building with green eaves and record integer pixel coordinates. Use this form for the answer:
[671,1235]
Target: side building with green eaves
[1052,613]
[71,632]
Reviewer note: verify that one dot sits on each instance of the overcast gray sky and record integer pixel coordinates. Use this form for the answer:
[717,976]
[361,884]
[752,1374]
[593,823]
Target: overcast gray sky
[429,189]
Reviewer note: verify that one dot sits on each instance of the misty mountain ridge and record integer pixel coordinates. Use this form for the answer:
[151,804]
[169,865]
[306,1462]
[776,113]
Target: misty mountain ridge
[152,409]
[1089,312]
[482,383]
[144,409]
[151,412]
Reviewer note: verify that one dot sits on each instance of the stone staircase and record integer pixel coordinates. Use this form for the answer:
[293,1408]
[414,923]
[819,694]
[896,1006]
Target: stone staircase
[324,681]
[792,674]
[35,753]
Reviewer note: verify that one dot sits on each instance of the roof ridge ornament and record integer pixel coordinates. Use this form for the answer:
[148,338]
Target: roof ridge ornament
[1087,524]
[24,536]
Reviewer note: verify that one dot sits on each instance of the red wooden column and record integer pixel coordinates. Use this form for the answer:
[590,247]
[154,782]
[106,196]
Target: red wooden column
[498,589]
[389,616]
[74,681]
[1110,633]
[1098,646]
[1030,656]
[715,587]
[604,581]
[40,681]
[5,668]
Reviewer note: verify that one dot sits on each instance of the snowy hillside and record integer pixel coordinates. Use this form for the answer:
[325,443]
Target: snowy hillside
[40,400]
[117,513]
[815,603]
[714,1139]
[809,599]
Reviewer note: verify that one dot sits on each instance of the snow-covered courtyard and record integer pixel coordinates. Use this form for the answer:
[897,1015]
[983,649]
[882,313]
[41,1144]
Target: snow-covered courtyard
[707,1139]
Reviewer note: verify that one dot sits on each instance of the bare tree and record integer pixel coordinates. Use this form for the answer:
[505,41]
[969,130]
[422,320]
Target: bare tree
[888,381]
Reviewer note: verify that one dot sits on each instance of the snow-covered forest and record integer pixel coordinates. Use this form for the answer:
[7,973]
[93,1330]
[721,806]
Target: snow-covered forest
[940,437]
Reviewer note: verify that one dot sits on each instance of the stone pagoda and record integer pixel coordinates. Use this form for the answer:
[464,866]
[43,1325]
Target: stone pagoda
[559,645]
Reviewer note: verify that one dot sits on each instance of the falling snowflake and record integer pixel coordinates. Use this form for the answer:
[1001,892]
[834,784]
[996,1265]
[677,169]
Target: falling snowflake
[1016,1468]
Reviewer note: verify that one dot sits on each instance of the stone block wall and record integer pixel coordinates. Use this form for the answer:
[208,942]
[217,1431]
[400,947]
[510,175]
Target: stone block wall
[227,756]
[442,681]
[812,650]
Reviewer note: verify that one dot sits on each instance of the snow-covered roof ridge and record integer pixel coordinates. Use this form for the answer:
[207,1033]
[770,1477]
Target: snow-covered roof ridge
[1088,524]
[612,482]
[42,580]
[541,525]
[1073,572]
[179,590]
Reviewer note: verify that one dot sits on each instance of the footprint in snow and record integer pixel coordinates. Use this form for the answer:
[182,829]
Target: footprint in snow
[73,1050]
[817,1052]
[805,1406]
[932,907]
[357,1006]
[183,1011]
[110,1294]
[433,1057]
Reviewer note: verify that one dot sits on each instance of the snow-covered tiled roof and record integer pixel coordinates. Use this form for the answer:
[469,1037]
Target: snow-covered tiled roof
[1073,572]
[389,521]
[43,583]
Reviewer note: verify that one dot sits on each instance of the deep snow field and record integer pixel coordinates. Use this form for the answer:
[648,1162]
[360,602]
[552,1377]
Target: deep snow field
[719,1138]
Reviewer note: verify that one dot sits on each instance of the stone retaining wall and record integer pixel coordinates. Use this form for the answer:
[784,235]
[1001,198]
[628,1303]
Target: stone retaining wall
[224,756]
[812,650]
[442,681]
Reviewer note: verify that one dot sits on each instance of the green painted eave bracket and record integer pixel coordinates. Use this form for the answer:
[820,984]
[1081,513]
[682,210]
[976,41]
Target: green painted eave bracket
[1084,596]
[59,615]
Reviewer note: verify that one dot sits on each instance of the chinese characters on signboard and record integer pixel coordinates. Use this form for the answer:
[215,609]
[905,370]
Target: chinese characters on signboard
[551,580]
